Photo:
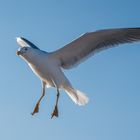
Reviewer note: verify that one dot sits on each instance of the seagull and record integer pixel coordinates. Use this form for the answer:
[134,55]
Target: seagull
[48,66]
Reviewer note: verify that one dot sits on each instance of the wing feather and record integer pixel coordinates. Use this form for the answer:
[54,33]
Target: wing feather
[88,44]
[23,42]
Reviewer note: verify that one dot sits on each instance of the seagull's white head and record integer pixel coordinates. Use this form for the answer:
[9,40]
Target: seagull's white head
[23,51]
[26,53]
[27,49]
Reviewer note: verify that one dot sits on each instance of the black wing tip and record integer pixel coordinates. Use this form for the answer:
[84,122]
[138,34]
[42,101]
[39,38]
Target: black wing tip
[30,43]
[134,28]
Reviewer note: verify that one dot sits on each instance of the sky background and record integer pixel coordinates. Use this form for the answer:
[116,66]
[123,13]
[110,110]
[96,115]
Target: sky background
[111,78]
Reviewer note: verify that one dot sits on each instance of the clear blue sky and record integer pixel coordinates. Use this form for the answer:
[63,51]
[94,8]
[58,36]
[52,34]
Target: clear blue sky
[111,78]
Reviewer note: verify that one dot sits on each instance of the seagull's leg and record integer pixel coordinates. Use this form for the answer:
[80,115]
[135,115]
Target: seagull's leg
[36,109]
[55,111]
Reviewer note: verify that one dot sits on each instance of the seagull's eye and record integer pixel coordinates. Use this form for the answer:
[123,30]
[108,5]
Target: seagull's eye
[26,49]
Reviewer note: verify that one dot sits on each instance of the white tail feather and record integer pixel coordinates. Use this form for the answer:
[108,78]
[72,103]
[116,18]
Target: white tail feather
[77,96]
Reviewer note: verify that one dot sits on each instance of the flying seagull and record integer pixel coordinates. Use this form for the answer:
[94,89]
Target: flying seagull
[48,66]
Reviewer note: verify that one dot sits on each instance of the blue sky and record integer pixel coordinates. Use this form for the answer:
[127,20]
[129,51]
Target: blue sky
[111,78]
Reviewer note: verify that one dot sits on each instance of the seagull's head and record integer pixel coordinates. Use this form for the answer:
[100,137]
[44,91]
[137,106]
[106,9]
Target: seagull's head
[24,46]
[23,51]
[26,53]
[27,49]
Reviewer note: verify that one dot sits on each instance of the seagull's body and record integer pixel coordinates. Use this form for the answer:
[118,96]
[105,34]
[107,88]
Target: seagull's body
[52,75]
[48,66]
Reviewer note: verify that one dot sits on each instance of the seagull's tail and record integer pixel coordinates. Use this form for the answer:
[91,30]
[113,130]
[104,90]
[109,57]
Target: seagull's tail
[77,96]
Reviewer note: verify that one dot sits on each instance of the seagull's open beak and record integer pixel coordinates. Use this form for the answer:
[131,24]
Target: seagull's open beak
[18,53]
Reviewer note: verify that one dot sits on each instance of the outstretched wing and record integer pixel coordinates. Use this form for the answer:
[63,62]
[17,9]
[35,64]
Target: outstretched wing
[25,43]
[89,43]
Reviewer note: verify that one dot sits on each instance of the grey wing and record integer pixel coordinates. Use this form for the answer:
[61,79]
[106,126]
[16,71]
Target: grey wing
[88,44]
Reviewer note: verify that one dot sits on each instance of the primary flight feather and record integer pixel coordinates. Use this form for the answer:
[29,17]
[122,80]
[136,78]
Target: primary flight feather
[48,66]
